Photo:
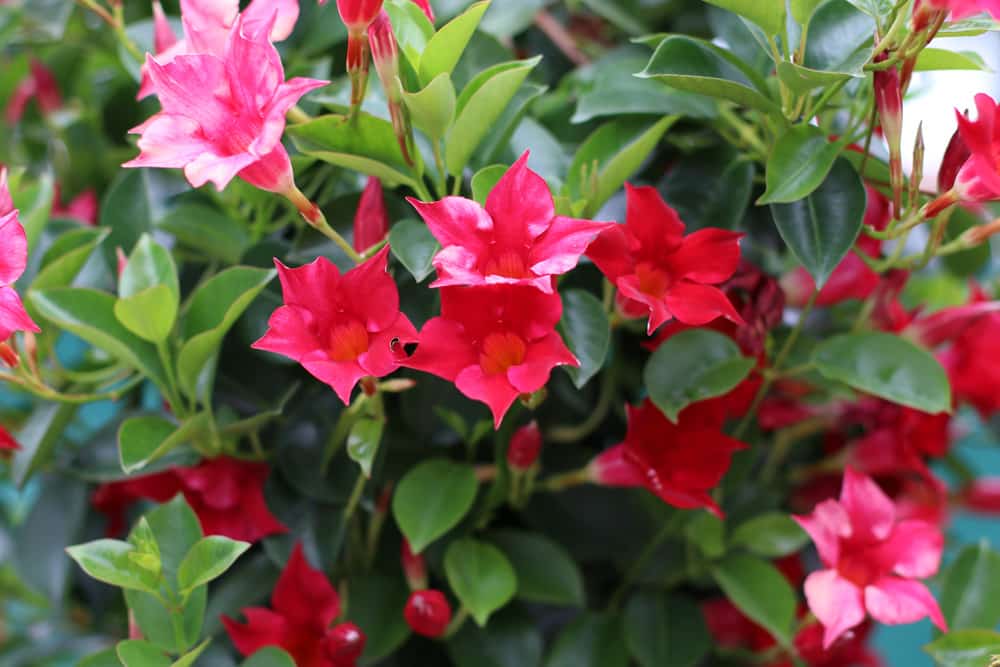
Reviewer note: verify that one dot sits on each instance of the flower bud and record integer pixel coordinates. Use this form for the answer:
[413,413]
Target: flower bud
[40,85]
[524,447]
[357,15]
[955,157]
[344,645]
[8,355]
[371,222]
[385,53]
[889,101]
[414,567]
[425,7]
[428,613]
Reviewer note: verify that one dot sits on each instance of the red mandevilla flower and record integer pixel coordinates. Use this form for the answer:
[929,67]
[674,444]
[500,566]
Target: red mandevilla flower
[873,560]
[303,605]
[223,116]
[13,260]
[679,462]
[974,367]
[83,208]
[341,328]
[428,613]
[517,239]
[979,178]
[39,85]
[659,270]
[371,222]
[960,9]
[525,445]
[495,343]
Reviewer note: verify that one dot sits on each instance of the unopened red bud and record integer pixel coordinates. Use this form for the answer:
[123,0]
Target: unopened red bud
[344,645]
[371,221]
[9,355]
[413,566]
[889,102]
[428,613]
[980,233]
[955,156]
[357,15]
[524,447]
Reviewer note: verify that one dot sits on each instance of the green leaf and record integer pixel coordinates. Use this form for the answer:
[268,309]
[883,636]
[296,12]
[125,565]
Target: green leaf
[591,640]
[363,442]
[931,60]
[822,228]
[760,591]
[110,561]
[510,640]
[546,573]
[106,658]
[665,630]
[711,188]
[65,258]
[34,203]
[768,14]
[701,67]
[90,315]
[967,263]
[376,605]
[481,577]
[965,648]
[366,144]
[886,366]
[799,162]
[148,292]
[444,49]
[802,10]
[840,38]
[432,109]
[708,533]
[970,589]
[587,330]
[145,439]
[414,246]
[484,180]
[141,653]
[412,28]
[188,658]
[211,313]
[207,231]
[480,105]
[207,560]
[269,656]
[693,365]
[874,8]
[771,535]
[802,79]
[610,156]
[38,437]
[617,14]
[431,499]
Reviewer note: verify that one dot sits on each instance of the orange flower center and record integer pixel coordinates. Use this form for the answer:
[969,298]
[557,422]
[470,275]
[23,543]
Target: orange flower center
[507,264]
[348,341]
[500,351]
[652,281]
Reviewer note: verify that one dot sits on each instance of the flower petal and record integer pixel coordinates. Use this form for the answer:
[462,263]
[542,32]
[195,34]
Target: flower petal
[696,304]
[895,601]
[836,602]
[304,595]
[914,549]
[871,511]
[542,356]
[493,390]
[520,205]
[707,256]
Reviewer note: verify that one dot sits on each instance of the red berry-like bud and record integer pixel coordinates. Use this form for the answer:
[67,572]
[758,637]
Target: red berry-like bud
[524,447]
[428,613]
[358,14]
[344,644]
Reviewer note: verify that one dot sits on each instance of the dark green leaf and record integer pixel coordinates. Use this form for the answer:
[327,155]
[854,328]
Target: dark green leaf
[970,590]
[887,366]
[587,330]
[143,440]
[376,605]
[545,571]
[592,640]
[768,14]
[510,640]
[269,656]
[65,258]
[414,246]
[840,38]
[481,577]
[771,535]
[799,162]
[38,438]
[207,231]
[760,591]
[967,263]
[431,499]
[822,228]
[665,630]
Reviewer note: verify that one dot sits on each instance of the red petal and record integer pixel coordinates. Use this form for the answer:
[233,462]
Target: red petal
[304,595]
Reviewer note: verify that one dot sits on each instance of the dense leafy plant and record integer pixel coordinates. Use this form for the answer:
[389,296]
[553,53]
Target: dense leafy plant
[681,391]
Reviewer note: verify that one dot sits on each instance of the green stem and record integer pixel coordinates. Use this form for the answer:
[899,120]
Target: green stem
[355,498]
[173,396]
[441,182]
[297,115]
[566,480]
[565,434]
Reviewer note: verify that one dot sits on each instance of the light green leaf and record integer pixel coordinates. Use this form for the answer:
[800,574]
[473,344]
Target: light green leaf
[941,59]
[768,14]
[363,442]
[207,560]
[965,648]
[484,180]
[444,49]
[141,653]
[110,561]
[431,499]
[414,246]
[771,535]
[481,577]
[970,589]
[148,292]
[432,109]
[145,439]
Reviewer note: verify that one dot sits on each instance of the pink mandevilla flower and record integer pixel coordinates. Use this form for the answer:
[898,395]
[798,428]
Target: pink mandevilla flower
[13,260]
[960,9]
[224,116]
[40,85]
[341,328]
[660,271]
[979,178]
[872,561]
[495,343]
[517,239]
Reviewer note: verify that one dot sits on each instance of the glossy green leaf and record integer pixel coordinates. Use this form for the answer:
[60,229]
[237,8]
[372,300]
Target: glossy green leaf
[432,109]
[191,656]
[510,640]
[106,658]
[970,589]
[546,573]
[90,315]
[141,653]
[874,8]
[447,45]
[412,28]
[931,60]
[269,656]
[145,439]
[711,188]
[376,605]
[38,437]
[65,258]
[802,10]
[802,79]
[480,105]
[148,292]
[701,67]
[481,577]
[707,532]
[110,561]
[208,559]
[760,591]
[363,442]
[610,156]
[665,630]
[771,535]
[591,640]
[207,231]
[840,38]
[211,313]
[414,246]
[484,180]
[431,499]
[587,331]
[886,366]
[366,144]
[693,365]
[965,648]
[799,162]
[823,227]
[768,14]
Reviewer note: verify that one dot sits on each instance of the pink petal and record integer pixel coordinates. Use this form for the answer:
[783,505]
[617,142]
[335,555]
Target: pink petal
[493,390]
[371,292]
[826,525]
[542,356]
[13,316]
[185,87]
[520,205]
[836,602]
[457,265]
[443,350]
[707,256]
[696,304]
[611,252]
[163,34]
[289,333]
[914,549]
[13,250]
[384,353]
[871,512]
[456,221]
[895,601]
[342,376]
[169,141]
[558,250]
[271,172]
[300,286]
[216,169]
[287,13]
